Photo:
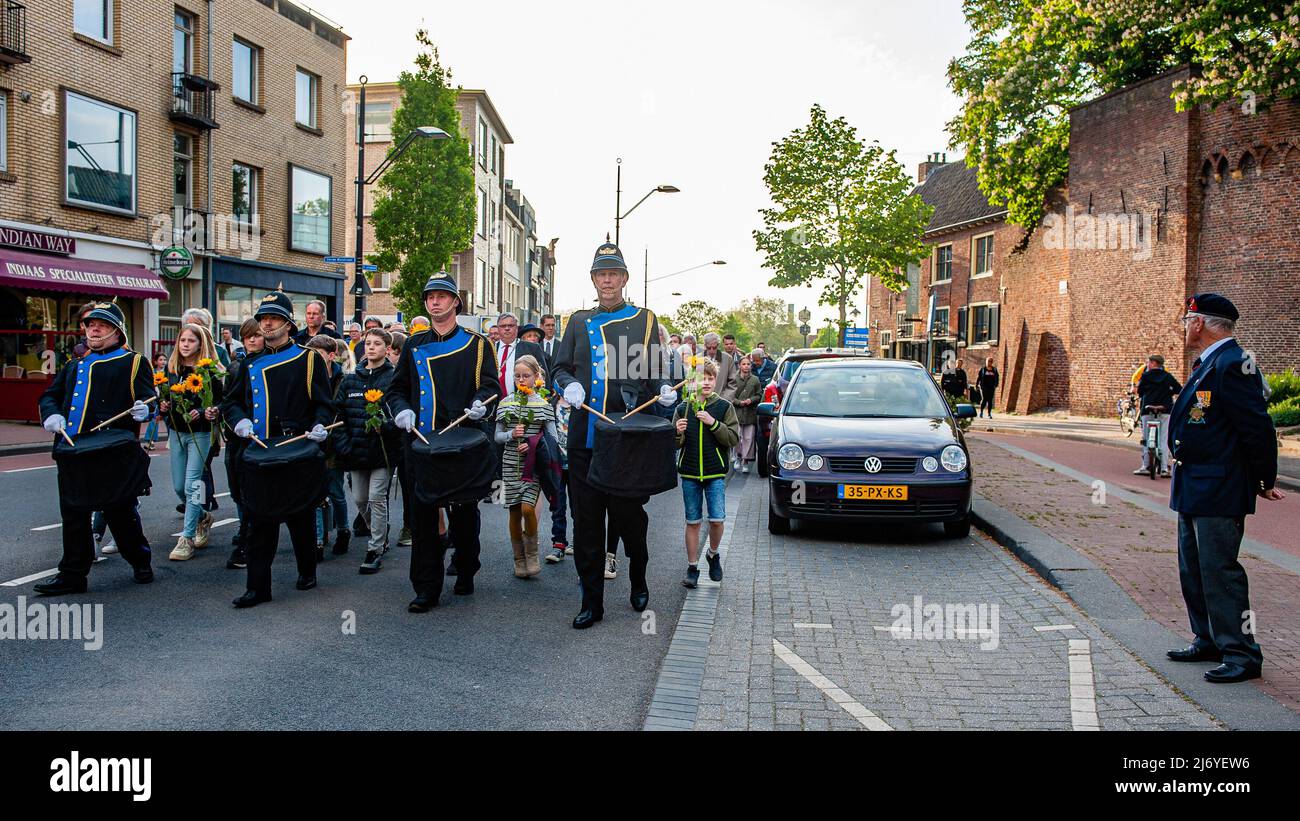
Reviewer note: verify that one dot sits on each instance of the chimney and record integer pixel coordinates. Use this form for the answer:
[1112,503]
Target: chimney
[932,161]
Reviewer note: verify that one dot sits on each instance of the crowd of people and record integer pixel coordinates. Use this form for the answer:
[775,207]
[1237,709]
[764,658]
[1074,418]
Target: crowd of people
[362,400]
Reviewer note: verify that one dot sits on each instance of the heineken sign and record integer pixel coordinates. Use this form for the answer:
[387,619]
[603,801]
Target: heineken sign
[176,262]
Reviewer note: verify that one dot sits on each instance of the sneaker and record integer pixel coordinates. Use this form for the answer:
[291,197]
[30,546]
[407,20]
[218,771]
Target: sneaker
[238,561]
[184,550]
[1140,472]
[692,577]
[715,566]
[374,559]
[557,555]
[568,551]
[735,464]
[404,538]
[744,468]
[109,549]
[611,566]
[204,531]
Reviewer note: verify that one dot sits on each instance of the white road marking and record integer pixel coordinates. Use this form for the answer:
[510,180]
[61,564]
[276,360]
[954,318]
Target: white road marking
[47,527]
[26,470]
[814,627]
[41,575]
[216,525]
[1055,628]
[1083,694]
[957,632]
[220,495]
[864,716]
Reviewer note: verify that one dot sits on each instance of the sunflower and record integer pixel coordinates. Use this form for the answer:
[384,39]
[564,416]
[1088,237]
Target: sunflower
[203,363]
[193,383]
[177,388]
[159,378]
[374,396]
[525,390]
[540,382]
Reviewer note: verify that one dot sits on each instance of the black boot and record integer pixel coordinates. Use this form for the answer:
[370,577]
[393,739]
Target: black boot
[61,585]
[341,541]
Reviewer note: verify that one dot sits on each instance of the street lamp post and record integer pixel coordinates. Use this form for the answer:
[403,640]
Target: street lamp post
[619,216]
[648,280]
[361,286]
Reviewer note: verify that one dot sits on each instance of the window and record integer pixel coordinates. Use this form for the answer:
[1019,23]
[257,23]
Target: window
[480,282]
[183,170]
[243,193]
[308,84]
[984,324]
[982,261]
[482,143]
[379,123]
[99,163]
[182,43]
[244,60]
[494,219]
[4,131]
[886,345]
[494,154]
[903,326]
[309,211]
[482,213]
[941,322]
[942,263]
[93,18]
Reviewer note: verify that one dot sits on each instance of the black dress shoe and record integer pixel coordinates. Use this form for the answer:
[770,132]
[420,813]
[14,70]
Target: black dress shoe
[61,586]
[305,583]
[238,559]
[250,599]
[1194,653]
[463,587]
[1229,673]
[422,604]
[640,600]
[142,574]
[341,541]
[586,619]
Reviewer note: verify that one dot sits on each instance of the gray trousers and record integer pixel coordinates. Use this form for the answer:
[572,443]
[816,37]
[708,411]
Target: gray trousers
[1215,587]
[370,492]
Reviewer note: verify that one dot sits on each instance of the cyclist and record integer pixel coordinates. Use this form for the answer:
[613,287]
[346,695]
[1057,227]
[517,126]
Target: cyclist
[1156,388]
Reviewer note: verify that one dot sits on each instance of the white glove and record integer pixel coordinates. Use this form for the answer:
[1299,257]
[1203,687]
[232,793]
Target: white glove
[405,420]
[575,395]
[476,411]
[667,396]
[139,411]
[244,428]
[55,423]
[318,434]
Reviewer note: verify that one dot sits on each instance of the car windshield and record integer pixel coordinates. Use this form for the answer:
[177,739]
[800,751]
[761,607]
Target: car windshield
[865,393]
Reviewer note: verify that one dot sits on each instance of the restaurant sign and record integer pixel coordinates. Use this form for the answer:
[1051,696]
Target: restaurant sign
[37,241]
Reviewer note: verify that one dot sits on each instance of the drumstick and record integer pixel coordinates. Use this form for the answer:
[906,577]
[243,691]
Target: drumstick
[419,435]
[253,436]
[126,412]
[590,409]
[305,435]
[67,438]
[640,408]
[463,417]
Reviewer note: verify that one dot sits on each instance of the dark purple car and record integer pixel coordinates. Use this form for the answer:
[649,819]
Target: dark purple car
[867,440]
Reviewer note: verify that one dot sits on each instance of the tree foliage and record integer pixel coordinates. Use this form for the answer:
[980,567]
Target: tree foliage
[697,317]
[1031,61]
[424,206]
[842,210]
[766,320]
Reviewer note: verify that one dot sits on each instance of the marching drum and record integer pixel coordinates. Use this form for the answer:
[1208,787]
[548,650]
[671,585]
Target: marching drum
[634,457]
[277,482]
[102,470]
[456,466]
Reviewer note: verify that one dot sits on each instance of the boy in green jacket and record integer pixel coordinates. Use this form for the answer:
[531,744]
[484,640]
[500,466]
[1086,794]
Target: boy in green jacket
[705,435]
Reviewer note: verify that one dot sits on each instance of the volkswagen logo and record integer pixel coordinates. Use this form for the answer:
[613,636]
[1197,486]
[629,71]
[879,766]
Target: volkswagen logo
[873,465]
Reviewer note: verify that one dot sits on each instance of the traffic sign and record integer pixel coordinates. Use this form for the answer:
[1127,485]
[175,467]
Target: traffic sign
[341,259]
[370,267]
[857,337]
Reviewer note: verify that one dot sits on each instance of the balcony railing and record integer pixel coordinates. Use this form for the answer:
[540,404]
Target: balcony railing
[192,100]
[13,33]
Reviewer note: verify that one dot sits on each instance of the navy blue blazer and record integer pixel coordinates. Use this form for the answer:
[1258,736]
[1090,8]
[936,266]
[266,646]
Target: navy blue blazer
[1222,438]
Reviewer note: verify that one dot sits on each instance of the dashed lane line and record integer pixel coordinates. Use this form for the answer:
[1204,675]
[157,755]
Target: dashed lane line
[1055,628]
[38,576]
[215,525]
[1083,693]
[846,702]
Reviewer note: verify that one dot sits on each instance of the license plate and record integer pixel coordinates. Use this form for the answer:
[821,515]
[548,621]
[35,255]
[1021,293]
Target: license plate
[894,493]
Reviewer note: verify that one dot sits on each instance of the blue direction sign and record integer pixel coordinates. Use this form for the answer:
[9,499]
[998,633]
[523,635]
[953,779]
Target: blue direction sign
[857,337]
[370,267]
[345,260]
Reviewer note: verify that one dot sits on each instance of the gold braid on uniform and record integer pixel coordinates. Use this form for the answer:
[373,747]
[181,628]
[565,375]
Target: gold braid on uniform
[478,364]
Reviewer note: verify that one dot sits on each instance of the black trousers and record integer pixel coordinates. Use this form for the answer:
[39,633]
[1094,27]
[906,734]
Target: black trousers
[986,401]
[428,549]
[1215,588]
[79,542]
[404,482]
[264,538]
[590,507]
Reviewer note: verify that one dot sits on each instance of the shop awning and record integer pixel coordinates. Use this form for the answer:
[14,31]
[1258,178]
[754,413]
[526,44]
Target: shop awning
[86,276]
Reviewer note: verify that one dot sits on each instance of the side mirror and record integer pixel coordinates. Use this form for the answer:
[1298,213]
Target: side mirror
[965,412]
[768,409]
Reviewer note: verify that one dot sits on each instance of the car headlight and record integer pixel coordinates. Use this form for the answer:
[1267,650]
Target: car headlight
[953,458]
[815,462]
[930,464]
[790,457]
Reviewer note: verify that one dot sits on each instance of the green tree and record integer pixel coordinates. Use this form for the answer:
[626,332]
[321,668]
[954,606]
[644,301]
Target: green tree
[733,323]
[1030,62]
[827,337]
[424,206]
[768,320]
[697,317]
[842,211]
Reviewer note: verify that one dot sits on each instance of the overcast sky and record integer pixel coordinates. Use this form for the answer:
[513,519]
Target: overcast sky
[690,94]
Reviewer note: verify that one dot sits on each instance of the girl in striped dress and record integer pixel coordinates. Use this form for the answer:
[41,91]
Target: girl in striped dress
[522,420]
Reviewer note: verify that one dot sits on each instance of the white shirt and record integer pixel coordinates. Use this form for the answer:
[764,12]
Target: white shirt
[509,363]
[548,345]
[1205,354]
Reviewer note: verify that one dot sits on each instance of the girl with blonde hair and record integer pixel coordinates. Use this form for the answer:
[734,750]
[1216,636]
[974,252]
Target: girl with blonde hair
[523,419]
[191,376]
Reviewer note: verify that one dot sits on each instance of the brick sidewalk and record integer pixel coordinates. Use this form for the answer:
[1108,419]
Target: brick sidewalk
[1139,550]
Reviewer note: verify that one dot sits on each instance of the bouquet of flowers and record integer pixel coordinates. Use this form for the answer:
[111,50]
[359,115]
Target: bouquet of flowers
[694,392]
[516,411]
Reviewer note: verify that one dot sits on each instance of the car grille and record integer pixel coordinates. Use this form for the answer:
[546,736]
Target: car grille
[853,464]
[878,507]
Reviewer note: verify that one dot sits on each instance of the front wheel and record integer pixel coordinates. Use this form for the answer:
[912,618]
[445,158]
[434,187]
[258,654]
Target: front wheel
[957,530]
[777,524]
[1153,457]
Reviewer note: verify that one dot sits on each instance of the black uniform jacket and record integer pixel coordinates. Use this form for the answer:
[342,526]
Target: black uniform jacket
[98,387]
[284,392]
[440,376]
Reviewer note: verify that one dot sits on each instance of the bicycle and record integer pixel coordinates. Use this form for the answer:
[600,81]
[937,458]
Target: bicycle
[1128,414]
[1152,435]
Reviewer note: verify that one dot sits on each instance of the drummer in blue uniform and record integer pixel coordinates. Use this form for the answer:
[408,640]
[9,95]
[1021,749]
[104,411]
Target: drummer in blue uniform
[599,344]
[1225,456]
[285,391]
[106,381]
[442,373]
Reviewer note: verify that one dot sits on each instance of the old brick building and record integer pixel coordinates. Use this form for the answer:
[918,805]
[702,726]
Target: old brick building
[1158,205]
